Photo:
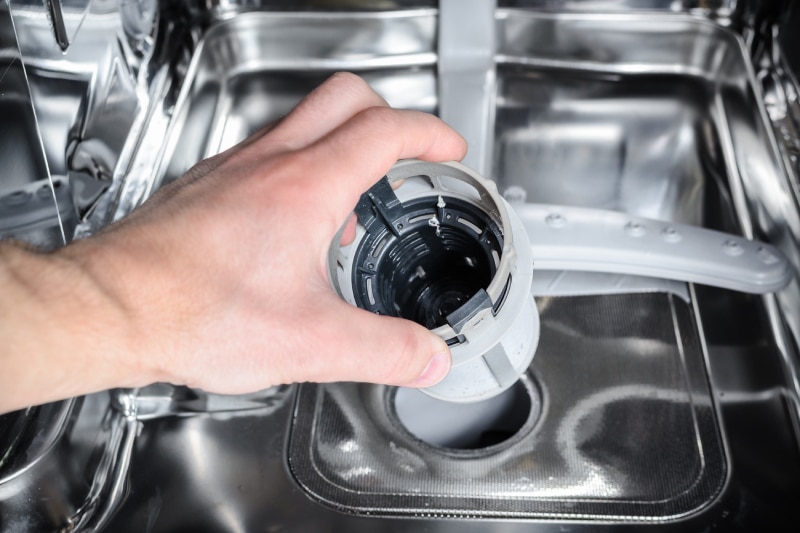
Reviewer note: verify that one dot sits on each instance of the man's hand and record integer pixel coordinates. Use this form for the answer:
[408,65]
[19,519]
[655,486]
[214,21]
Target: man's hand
[219,281]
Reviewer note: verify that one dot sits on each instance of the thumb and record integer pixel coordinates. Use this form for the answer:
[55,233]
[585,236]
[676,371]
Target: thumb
[386,350]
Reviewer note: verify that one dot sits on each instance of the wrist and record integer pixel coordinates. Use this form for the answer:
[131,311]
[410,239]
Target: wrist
[64,333]
[115,325]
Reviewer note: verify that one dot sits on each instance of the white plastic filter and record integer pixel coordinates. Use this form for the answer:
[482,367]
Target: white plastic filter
[497,342]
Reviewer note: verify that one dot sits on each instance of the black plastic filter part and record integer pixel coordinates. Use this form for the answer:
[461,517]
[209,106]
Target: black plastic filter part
[425,260]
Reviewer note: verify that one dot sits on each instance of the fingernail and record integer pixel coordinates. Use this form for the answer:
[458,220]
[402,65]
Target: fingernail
[437,369]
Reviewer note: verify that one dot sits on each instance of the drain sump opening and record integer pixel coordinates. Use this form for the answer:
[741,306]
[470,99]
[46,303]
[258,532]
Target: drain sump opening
[468,426]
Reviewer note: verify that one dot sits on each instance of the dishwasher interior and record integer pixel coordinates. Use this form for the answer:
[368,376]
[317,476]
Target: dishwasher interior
[650,402]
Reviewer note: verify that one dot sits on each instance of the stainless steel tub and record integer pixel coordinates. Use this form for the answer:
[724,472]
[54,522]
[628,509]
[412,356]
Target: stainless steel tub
[688,417]
[652,115]
[28,199]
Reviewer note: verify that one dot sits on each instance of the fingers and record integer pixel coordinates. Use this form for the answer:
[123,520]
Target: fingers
[330,105]
[362,346]
[345,138]
[353,157]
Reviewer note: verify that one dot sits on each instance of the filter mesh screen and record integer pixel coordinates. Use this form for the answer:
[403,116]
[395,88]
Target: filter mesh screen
[627,429]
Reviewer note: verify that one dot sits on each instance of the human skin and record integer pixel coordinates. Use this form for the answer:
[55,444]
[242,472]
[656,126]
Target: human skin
[219,281]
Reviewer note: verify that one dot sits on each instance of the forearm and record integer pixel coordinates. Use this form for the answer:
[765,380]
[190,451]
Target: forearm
[62,334]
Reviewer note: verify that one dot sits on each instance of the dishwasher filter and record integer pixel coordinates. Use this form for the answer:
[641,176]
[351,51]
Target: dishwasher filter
[435,243]
[620,425]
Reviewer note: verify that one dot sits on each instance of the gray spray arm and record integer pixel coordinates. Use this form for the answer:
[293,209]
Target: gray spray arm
[594,240]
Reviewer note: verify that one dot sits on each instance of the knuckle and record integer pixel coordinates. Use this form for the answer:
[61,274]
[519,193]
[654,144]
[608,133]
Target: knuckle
[356,87]
[384,119]
[348,79]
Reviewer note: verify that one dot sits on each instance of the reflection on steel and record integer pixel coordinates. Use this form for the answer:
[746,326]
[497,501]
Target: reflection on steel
[684,112]
[162,400]
[108,484]
[31,208]
[575,283]
[57,20]
[53,480]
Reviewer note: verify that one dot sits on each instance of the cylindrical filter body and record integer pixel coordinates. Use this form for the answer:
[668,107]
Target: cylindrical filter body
[444,249]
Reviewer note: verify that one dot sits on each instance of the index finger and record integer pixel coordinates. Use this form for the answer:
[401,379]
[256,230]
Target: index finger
[350,159]
[336,100]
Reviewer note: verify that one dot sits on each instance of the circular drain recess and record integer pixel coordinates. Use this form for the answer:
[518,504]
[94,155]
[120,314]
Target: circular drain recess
[435,243]
[473,426]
